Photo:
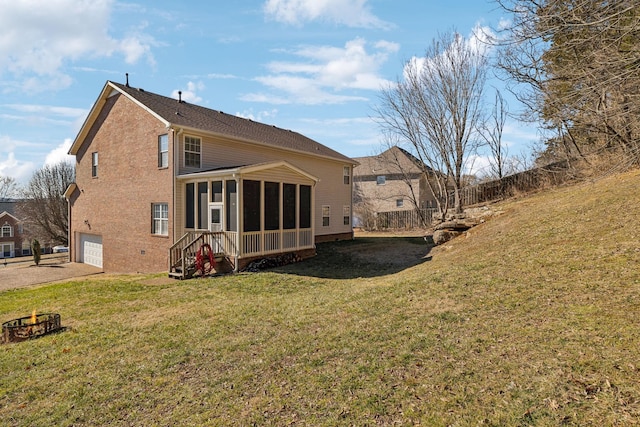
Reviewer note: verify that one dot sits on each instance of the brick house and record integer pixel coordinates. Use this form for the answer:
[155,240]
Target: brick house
[391,181]
[12,235]
[157,178]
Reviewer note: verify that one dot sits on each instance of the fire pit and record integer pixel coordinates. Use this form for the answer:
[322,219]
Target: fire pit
[33,326]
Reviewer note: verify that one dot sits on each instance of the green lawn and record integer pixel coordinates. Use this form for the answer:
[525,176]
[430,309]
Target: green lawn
[534,319]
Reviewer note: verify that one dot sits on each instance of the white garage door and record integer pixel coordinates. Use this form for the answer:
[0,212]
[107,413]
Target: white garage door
[91,249]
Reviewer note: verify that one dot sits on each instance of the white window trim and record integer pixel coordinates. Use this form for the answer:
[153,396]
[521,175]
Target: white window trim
[326,213]
[163,154]
[160,224]
[10,230]
[185,151]
[94,164]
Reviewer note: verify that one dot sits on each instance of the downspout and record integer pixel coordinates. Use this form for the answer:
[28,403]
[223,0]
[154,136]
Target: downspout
[239,224]
[353,235]
[176,170]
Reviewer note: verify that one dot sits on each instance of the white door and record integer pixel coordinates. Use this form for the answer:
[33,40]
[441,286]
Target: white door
[91,250]
[216,223]
[6,250]
[215,217]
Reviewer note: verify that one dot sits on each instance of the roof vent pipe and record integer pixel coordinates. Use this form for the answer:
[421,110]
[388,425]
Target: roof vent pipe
[127,84]
[179,96]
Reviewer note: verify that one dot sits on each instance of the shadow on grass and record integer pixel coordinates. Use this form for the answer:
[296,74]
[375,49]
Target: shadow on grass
[362,257]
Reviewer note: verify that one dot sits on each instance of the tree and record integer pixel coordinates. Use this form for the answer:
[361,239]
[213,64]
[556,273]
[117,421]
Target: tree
[577,61]
[35,250]
[43,206]
[436,109]
[492,134]
[8,187]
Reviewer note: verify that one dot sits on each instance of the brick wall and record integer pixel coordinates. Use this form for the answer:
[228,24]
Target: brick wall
[117,203]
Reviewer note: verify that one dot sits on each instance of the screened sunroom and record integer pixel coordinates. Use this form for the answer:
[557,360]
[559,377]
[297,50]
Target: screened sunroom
[244,212]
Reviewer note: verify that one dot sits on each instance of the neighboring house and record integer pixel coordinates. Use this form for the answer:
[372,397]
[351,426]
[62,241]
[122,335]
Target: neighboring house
[157,177]
[390,181]
[12,236]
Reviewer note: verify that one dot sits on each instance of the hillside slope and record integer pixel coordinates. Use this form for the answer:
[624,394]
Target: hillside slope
[534,319]
[546,306]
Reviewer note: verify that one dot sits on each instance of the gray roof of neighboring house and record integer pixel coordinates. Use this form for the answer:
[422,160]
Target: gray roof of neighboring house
[393,161]
[8,206]
[213,121]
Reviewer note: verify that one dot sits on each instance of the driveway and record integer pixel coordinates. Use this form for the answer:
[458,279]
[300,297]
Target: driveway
[22,272]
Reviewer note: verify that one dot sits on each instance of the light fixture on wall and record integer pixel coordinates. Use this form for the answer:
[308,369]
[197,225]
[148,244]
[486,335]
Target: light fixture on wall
[86,221]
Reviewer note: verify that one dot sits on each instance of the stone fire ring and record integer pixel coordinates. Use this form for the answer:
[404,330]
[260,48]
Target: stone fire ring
[28,327]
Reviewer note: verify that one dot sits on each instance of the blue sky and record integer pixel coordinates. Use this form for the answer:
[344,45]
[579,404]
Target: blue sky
[313,66]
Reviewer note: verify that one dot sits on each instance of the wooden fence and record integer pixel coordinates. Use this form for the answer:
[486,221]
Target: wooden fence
[417,218]
[509,186]
[520,183]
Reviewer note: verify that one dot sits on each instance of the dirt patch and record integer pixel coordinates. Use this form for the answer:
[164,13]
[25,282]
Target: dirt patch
[23,274]
[160,281]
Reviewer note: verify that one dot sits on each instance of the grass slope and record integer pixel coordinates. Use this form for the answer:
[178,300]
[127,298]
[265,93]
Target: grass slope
[531,320]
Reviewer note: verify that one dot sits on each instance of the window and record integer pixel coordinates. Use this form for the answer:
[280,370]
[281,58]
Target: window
[326,214]
[160,219]
[163,151]
[251,205]
[346,174]
[381,180]
[288,206]
[346,214]
[305,206]
[94,164]
[202,205]
[7,231]
[231,200]
[271,205]
[192,151]
[216,191]
[399,203]
[190,213]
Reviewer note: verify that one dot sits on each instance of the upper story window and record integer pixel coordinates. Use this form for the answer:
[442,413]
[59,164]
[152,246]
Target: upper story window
[346,174]
[399,203]
[163,151]
[192,146]
[7,231]
[381,180]
[94,164]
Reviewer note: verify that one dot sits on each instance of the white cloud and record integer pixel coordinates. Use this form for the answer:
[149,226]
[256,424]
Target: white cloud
[59,154]
[260,116]
[352,13]
[21,171]
[40,37]
[189,94]
[43,115]
[323,71]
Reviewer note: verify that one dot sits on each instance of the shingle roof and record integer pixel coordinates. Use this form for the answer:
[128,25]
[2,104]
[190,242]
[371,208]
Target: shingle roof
[392,161]
[213,121]
[8,206]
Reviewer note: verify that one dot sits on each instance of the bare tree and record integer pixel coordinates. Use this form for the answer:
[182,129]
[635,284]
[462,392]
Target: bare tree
[436,109]
[491,132]
[43,206]
[575,64]
[8,187]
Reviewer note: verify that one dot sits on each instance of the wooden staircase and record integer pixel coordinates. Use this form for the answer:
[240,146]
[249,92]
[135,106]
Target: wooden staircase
[183,253]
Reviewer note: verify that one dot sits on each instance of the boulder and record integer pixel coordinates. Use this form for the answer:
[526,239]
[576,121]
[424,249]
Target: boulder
[443,236]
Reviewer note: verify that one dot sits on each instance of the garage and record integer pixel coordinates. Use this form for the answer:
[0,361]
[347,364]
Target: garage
[91,249]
